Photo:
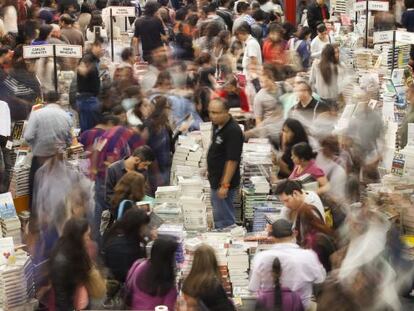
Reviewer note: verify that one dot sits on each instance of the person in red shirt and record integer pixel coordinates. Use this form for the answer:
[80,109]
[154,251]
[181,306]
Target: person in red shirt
[234,95]
[274,47]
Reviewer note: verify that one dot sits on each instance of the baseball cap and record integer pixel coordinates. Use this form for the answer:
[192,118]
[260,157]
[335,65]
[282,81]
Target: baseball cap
[282,228]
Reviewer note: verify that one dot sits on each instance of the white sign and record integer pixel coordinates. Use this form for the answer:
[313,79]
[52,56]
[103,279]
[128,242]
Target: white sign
[378,6]
[122,10]
[74,51]
[372,6]
[360,6]
[410,135]
[405,37]
[383,36]
[36,51]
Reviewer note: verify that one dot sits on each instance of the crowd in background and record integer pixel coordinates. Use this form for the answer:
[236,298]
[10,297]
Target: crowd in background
[288,78]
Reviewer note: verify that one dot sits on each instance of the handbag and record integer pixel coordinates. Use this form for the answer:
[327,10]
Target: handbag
[96,284]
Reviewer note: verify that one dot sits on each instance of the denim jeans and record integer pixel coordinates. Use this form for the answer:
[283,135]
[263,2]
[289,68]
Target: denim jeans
[223,209]
[89,111]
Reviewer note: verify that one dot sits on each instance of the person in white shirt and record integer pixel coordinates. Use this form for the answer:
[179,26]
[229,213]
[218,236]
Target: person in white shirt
[318,43]
[252,54]
[10,16]
[300,267]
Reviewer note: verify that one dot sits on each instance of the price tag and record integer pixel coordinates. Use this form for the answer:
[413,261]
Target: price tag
[9,145]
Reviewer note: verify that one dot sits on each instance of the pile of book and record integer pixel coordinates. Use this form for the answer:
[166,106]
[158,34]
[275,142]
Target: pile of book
[259,221]
[9,221]
[16,282]
[207,203]
[238,265]
[19,185]
[194,213]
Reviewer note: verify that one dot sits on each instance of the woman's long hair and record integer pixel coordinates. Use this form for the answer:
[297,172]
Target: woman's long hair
[159,117]
[70,254]
[277,272]
[130,187]
[327,60]
[299,132]
[130,225]
[204,274]
[160,277]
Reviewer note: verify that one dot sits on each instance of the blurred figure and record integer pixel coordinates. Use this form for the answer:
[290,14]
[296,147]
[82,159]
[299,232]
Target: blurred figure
[234,95]
[5,161]
[124,243]
[301,270]
[89,86]
[160,141]
[252,54]
[320,41]
[48,132]
[73,35]
[75,279]
[409,117]
[9,14]
[151,282]
[84,17]
[318,13]
[275,47]
[308,107]
[324,76]
[203,283]
[302,46]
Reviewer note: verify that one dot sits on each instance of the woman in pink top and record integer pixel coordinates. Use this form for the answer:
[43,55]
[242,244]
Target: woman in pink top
[304,159]
[151,282]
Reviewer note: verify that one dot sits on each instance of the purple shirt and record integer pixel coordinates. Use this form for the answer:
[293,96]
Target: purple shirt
[290,300]
[144,301]
[312,169]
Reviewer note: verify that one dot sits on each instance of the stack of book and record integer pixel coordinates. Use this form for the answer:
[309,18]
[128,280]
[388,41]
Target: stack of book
[9,221]
[167,194]
[19,185]
[260,184]
[16,283]
[169,212]
[238,265]
[207,203]
[180,156]
[259,221]
[363,59]
[206,132]
[194,213]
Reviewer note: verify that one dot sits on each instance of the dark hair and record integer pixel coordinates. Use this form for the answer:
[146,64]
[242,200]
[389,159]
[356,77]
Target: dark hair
[96,20]
[117,110]
[223,102]
[209,8]
[321,28]
[98,41]
[242,7]
[202,97]
[52,97]
[409,4]
[151,7]
[67,19]
[160,276]
[159,118]
[304,32]
[131,186]
[145,153]
[327,60]
[129,225]
[299,133]
[277,273]
[107,117]
[221,39]
[331,142]
[72,248]
[44,32]
[86,8]
[288,186]
[162,77]
[244,28]
[304,151]
[4,50]
[181,14]
[126,54]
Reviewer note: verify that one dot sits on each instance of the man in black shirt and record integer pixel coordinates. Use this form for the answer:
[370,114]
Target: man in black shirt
[307,107]
[89,84]
[223,163]
[149,30]
[318,13]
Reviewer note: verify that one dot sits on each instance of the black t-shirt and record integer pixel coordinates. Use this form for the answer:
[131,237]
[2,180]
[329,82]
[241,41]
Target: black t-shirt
[149,30]
[226,145]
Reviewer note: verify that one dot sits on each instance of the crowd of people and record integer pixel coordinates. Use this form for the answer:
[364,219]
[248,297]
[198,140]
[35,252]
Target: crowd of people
[202,60]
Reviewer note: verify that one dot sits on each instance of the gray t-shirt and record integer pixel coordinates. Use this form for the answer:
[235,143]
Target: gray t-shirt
[265,103]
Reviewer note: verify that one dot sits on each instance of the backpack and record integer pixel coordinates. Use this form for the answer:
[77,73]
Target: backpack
[108,218]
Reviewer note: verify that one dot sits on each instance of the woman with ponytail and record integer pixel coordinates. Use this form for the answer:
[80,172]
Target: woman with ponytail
[280,298]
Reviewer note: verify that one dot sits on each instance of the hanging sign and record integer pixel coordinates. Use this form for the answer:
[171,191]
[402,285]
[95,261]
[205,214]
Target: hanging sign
[121,10]
[37,51]
[360,6]
[74,51]
[405,37]
[378,6]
